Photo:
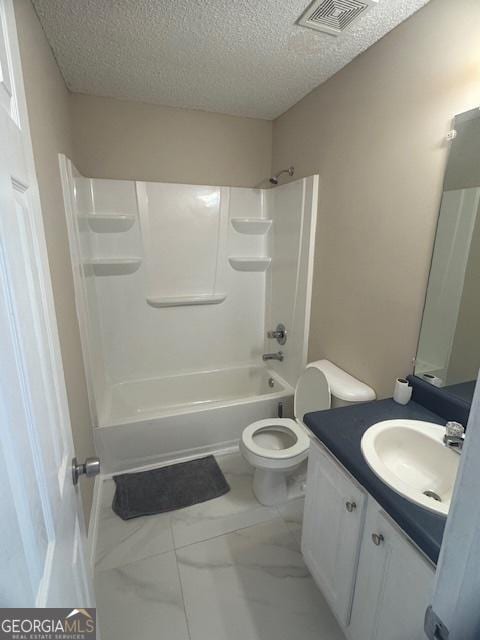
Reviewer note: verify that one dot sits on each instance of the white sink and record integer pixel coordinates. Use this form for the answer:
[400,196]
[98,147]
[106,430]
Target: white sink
[410,457]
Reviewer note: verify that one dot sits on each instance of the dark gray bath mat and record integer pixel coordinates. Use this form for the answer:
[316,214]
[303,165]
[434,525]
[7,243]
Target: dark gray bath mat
[173,487]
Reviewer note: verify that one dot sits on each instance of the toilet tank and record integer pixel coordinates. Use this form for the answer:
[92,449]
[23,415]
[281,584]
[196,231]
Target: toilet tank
[344,388]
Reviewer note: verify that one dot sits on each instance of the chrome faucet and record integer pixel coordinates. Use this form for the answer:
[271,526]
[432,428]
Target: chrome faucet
[273,356]
[454,436]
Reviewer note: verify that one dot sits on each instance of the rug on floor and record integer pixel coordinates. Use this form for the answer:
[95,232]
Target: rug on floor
[168,488]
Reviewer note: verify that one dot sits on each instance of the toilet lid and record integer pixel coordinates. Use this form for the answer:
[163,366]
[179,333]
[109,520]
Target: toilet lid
[301,439]
[312,392]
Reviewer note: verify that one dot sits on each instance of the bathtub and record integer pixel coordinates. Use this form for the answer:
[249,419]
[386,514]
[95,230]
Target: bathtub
[146,422]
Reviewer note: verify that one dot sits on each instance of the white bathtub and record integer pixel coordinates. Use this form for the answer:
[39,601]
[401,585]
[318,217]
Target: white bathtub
[149,421]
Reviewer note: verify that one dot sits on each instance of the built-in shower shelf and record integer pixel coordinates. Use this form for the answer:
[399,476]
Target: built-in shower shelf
[186,301]
[250,264]
[113,266]
[251,226]
[109,222]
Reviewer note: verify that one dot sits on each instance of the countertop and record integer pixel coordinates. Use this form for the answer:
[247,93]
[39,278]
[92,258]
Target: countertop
[341,431]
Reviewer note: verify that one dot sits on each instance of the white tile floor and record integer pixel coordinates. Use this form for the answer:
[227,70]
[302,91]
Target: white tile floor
[224,569]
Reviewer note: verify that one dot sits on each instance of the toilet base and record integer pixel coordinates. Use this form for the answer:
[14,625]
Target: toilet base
[270,487]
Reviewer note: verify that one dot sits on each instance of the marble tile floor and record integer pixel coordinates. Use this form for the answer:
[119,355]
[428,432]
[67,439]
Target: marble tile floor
[225,569]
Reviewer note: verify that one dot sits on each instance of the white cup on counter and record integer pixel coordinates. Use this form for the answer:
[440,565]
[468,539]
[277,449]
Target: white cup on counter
[402,392]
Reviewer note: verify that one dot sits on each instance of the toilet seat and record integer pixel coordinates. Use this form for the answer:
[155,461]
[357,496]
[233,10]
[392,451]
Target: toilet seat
[287,425]
[312,393]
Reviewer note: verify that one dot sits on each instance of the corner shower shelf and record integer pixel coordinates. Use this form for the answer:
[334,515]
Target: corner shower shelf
[109,222]
[250,264]
[113,266]
[251,226]
[186,301]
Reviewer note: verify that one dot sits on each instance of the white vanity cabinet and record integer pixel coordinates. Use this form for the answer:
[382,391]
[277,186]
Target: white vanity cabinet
[394,583]
[357,555]
[332,527]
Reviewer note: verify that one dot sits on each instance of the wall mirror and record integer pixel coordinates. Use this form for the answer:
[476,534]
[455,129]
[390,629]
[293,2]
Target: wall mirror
[448,354]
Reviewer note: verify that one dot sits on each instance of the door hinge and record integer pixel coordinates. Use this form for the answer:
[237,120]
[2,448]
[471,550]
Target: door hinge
[434,627]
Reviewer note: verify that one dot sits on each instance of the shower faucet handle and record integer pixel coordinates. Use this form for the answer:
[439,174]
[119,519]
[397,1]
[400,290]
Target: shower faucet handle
[274,334]
[279,334]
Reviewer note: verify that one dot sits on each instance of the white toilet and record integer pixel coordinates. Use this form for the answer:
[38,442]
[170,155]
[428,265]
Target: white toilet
[276,446]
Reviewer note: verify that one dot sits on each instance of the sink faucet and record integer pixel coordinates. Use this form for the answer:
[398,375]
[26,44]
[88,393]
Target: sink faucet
[454,436]
[273,356]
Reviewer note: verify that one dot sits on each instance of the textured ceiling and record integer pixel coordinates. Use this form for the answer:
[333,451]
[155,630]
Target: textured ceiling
[242,57]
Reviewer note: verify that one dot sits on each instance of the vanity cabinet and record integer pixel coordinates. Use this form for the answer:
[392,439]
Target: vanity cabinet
[332,527]
[377,583]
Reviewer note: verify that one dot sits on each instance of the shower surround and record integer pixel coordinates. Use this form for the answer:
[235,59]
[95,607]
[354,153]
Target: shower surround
[175,288]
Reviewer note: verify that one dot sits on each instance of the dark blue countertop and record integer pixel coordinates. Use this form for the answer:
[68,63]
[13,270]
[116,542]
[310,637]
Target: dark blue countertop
[341,431]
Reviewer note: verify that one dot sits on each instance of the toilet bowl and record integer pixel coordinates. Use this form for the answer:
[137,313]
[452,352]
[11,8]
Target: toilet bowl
[273,447]
[276,446]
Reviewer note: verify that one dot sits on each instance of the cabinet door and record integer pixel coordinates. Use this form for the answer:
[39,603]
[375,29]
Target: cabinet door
[332,527]
[394,583]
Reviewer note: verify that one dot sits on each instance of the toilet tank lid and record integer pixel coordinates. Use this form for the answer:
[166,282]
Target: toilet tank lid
[342,385]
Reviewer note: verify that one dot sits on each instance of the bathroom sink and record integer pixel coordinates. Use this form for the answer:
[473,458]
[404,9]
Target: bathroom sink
[410,457]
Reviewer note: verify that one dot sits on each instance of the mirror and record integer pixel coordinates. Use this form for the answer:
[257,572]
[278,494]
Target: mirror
[448,354]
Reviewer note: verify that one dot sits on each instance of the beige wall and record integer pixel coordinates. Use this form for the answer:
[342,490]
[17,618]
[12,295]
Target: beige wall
[375,133]
[48,106]
[132,140]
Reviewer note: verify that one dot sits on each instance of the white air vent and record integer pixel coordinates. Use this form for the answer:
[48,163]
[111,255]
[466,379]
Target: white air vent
[334,16]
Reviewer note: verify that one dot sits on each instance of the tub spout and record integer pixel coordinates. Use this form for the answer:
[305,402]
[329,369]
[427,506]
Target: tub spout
[273,356]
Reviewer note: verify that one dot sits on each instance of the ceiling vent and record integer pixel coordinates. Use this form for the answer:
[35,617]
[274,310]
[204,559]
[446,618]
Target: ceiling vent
[334,16]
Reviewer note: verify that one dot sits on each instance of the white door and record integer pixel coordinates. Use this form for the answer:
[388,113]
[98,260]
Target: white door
[42,535]
[332,529]
[455,611]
